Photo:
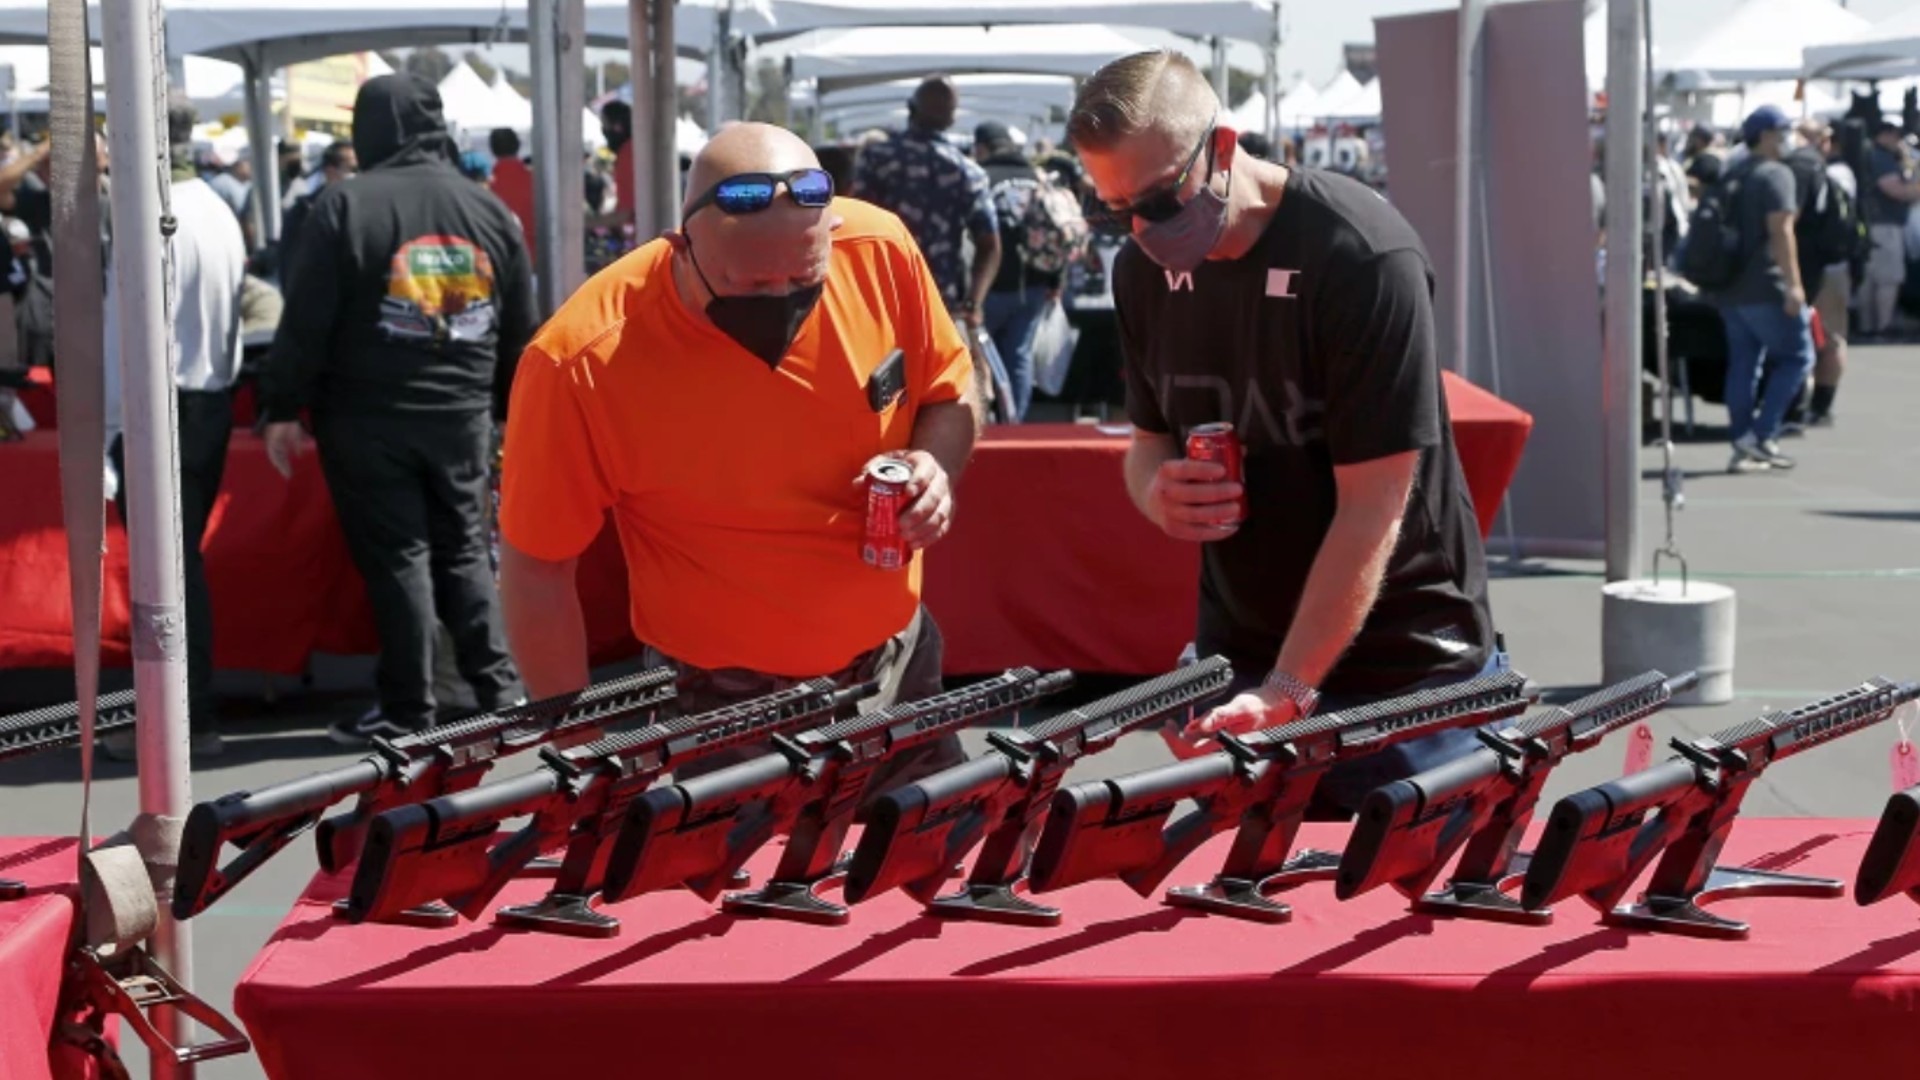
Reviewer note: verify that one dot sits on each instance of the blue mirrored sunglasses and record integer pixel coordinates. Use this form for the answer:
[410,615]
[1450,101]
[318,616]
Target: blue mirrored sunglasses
[750,193]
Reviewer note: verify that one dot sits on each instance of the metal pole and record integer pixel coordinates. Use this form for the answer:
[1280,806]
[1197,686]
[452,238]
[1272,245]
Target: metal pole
[1272,83]
[1620,396]
[1220,69]
[640,66]
[1466,127]
[543,56]
[666,111]
[266,164]
[717,65]
[130,46]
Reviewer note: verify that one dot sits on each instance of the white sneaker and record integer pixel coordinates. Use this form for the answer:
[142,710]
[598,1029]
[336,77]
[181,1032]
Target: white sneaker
[1748,456]
[1775,459]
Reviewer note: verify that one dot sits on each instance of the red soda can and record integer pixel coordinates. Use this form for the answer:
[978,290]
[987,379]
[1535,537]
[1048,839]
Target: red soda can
[1219,444]
[883,546]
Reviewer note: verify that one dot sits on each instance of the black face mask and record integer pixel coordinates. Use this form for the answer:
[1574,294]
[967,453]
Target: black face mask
[763,325]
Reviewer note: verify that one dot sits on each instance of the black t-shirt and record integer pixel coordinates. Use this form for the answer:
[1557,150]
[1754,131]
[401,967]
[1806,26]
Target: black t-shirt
[1318,345]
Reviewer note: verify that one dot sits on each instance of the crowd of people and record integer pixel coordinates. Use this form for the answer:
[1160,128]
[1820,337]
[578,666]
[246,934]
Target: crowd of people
[891,287]
[1796,233]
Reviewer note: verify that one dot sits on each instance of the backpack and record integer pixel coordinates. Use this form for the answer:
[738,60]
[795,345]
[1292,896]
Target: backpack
[1834,232]
[1713,254]
[1048,229]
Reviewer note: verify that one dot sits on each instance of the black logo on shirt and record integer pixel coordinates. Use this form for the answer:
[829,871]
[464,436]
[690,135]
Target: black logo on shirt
[1299,423]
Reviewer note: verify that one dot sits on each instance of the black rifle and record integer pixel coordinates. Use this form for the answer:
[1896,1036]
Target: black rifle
[1892,862]
[1598,841]
[54,727]
[700,832]
[915,834]
[1262,783]
[450,848]
[1410,829]
[409,769]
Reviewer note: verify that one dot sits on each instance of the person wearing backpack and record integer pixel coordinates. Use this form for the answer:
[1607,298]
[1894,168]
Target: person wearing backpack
[1041,232]
[1763,302]
[1832,236]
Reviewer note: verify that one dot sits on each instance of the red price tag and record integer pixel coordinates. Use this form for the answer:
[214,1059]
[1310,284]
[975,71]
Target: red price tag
[1902,762]
[1639,748]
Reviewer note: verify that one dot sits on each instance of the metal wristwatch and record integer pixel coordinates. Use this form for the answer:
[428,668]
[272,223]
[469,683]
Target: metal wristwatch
[1305,698]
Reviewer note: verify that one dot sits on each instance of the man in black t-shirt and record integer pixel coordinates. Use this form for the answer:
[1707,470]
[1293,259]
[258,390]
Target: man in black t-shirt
[1297,305]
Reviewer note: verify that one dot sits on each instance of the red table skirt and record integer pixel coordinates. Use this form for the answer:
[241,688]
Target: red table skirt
[34,933]
[1125,988]
[1048,564]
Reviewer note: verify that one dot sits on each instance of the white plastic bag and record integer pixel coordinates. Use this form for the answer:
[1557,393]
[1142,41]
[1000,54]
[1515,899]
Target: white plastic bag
[1053,342]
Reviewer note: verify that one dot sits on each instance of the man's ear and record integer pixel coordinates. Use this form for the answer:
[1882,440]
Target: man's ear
[1226,143]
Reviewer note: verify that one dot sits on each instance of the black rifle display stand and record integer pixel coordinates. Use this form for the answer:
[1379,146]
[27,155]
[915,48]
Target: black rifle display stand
[12,890]
[799,901]
[993,903]
[1246,898]
[433,916]
[559,913]
[1488,900]
[1686,914]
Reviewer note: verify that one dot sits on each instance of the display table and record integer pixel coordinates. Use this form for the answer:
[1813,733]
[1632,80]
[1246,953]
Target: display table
[1048,564]
[34,933]
[1125,988]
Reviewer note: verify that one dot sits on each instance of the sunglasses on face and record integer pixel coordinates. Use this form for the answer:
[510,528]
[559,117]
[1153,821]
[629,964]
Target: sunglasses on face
[750,193]
[1157,205]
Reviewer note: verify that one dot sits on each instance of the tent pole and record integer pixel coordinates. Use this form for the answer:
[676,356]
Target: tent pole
[142,263]
[266,165]
[1220,70]
[666,159]
[640,65]
[1466,128]
[543,54]
[718,78]
[1620,399]
[1273,83]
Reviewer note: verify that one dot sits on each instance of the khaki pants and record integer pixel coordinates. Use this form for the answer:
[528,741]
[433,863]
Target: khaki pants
[906,665]
[1880,285]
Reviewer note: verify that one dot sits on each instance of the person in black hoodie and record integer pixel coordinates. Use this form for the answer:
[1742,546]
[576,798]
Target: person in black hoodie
[408,301]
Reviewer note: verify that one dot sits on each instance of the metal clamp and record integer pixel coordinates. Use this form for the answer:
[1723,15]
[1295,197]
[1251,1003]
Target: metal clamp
[130,983]
[1668,551]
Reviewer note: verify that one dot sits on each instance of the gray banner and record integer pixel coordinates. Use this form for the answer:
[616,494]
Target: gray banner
[1535,296]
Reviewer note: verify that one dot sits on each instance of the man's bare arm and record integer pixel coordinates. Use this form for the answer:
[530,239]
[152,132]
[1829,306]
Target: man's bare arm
[1786,254]
[1346,574]
[17,170]
[947,431]
[546,630]
[1145,454]
[986,264]
[1899,190]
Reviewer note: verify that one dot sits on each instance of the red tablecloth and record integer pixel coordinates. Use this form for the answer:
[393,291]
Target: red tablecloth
[1048,564]
[34,931]
[1125,988]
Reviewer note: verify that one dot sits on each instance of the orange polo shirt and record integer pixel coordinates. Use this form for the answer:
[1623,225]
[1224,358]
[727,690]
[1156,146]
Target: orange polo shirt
[732,485]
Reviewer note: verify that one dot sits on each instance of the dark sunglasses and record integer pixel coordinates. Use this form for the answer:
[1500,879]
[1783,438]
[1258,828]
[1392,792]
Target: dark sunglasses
[750,193]
[1158,205]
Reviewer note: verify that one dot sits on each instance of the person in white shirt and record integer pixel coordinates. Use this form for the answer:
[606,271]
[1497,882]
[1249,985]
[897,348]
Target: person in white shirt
[209,263]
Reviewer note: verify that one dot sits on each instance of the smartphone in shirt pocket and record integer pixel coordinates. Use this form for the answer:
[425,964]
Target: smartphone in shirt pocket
[888,382]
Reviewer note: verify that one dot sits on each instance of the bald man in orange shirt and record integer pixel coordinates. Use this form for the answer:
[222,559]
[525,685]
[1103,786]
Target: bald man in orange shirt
[720,391]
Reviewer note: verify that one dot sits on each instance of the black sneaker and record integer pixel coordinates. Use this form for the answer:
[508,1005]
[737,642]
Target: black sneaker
[361,731]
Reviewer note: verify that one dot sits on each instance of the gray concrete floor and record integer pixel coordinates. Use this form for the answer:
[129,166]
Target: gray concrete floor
[1825,559]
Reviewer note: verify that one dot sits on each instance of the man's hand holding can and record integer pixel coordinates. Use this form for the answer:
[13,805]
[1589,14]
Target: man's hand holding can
[909,506]
[1194,500]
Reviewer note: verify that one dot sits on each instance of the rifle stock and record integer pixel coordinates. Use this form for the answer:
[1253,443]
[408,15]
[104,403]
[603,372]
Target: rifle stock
[1598,841]
[918,832]
[1408,830]
[452,850]
[1891,864]
[1260,784]
[698,833]
[408,770]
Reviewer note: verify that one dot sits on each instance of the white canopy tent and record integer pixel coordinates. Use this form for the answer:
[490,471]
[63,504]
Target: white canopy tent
[842,59]
[1762,40]
[1891,47]
[1300,105]
[466,100]
[515,111]
[1035,91]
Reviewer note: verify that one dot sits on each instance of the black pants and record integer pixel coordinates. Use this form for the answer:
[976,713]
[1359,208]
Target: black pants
[206,423]
[411,494]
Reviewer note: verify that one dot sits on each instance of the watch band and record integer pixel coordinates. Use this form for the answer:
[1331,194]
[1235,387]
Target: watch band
[1304,697]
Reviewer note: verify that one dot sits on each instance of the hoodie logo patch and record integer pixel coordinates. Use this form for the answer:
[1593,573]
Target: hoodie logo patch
[439,291]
